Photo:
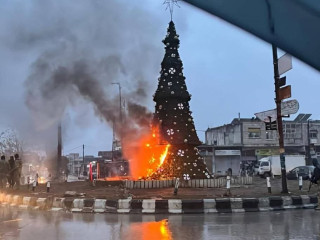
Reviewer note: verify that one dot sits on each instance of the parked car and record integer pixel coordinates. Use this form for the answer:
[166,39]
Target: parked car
[304,171]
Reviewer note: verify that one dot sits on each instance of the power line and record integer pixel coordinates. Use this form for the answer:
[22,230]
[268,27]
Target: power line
[73,149]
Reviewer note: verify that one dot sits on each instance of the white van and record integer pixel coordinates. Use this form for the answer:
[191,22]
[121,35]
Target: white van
[269,166]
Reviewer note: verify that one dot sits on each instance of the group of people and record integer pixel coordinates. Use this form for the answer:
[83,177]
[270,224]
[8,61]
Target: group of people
[10,171]
[246,168]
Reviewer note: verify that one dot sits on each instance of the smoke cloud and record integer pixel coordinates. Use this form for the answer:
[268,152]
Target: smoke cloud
[76,51]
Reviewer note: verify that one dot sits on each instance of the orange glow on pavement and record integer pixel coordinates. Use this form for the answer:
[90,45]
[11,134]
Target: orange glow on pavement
[150,231]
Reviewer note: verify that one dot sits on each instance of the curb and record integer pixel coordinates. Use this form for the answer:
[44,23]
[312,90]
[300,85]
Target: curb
[155,206]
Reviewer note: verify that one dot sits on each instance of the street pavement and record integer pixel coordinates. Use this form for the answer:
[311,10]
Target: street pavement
[26,225]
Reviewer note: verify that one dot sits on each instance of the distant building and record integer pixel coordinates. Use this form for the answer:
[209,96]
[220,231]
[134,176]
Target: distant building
[247,139]
[75,163]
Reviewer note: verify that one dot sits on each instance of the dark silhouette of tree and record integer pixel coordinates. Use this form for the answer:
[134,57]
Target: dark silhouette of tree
[174,118]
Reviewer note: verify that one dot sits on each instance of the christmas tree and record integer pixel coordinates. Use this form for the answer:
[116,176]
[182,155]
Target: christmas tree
[173,117]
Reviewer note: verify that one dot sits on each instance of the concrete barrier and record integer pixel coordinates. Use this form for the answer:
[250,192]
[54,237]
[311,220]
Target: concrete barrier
[250,204]
[78,205]
[161,206]
[8,199]
[28,202]
[174,206]
[236,205]
[223,205]
[112,206]
[192,206]
[99,205]
[58,204]
[148,206]
[264,204]
[16,200]
[220,205]
[41,203]
[276,203]
[136,206]
[123,205]
[88,204]
[287,202]
[209,206]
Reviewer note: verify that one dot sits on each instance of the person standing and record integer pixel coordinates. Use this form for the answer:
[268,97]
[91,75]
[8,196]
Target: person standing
[12,168]
[37,179]
[18,170]
[4,169]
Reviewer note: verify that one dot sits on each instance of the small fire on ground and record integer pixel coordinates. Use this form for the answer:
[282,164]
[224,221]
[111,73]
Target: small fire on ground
[147,156]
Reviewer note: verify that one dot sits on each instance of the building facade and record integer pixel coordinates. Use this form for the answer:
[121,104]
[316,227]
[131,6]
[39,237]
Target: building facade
[248,140]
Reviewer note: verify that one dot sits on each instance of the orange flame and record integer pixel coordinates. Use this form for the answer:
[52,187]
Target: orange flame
[146,155]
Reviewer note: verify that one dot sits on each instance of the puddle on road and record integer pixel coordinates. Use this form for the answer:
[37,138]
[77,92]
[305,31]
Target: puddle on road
[149,230]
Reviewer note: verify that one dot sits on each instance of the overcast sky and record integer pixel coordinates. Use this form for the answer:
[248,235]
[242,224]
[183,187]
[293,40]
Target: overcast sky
[227,70]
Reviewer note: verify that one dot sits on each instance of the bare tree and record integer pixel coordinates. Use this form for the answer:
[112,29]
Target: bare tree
[10,142]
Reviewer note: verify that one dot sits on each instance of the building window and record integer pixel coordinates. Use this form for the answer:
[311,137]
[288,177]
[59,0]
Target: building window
[254,132]
[289,130]
[313,134]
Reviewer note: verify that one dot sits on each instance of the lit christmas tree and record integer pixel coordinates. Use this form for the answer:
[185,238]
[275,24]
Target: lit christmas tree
[173,117]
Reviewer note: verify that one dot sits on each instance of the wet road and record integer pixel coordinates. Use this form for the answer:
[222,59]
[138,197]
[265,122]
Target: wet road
[33,225]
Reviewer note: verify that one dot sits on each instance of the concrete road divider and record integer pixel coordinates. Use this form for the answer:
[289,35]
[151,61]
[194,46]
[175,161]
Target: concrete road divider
[236,205]
[124,206]
[78,205]
[287,202]
[99,205]
[16,200]
[111,206]
[148,206]
[209,206]
[276,203]
[154,206]
[223,205]
[175,206]
[58,204]
[41,203]
[192,206]
[264,204]
[136,206]
[161,206]
[28,202]
[250,204]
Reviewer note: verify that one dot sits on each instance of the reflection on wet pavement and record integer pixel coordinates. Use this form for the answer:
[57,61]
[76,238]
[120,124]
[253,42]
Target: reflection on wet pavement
[26,225]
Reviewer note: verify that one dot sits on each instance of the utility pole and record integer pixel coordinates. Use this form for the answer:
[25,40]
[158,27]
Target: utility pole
[59,150]
[278,84]
[120,111]
[84,165]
